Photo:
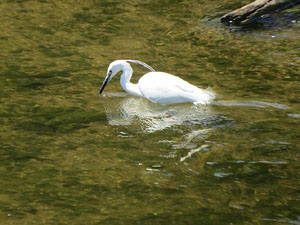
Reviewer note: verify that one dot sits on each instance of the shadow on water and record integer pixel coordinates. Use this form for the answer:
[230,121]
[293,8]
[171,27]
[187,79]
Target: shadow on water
[280,20]
[267,22]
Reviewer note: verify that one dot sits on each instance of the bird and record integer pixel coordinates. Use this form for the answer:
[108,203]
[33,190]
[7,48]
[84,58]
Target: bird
[157,87]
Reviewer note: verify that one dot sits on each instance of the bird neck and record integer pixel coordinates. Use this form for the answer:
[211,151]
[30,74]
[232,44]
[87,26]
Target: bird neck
[130,88]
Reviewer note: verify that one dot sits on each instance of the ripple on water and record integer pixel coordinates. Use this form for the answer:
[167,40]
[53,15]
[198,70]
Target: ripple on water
[297,116]
[150,117]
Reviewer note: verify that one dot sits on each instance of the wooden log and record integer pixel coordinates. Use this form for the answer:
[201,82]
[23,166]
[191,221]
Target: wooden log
[249,13]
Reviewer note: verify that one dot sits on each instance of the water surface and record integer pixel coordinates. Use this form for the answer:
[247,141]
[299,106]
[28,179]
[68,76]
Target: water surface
[69,156]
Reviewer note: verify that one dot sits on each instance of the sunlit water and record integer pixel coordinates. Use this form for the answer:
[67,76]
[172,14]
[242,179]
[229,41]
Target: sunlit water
[69,156]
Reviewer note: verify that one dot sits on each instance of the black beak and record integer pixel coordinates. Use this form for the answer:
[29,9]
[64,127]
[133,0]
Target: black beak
[105,82]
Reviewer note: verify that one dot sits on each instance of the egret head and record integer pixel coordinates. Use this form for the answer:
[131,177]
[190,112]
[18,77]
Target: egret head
[119,65]
[112,70]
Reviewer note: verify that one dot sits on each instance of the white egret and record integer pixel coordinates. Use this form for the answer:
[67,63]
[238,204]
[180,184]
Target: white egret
[157,87]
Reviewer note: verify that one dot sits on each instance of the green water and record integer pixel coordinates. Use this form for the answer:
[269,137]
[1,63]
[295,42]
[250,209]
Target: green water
[69,156]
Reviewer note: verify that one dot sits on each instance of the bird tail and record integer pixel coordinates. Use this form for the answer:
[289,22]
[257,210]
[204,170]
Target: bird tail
[207,96]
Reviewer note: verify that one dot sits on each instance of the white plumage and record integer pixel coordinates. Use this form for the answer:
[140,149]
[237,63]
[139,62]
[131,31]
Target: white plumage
[157,87]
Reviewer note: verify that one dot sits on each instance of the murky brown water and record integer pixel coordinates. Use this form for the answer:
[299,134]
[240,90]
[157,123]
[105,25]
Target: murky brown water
[69,156]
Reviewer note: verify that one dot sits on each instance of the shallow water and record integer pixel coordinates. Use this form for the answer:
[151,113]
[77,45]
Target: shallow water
[71,156]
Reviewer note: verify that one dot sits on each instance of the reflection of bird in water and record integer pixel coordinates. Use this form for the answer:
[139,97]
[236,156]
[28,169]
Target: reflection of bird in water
[157,87]
[140,114]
